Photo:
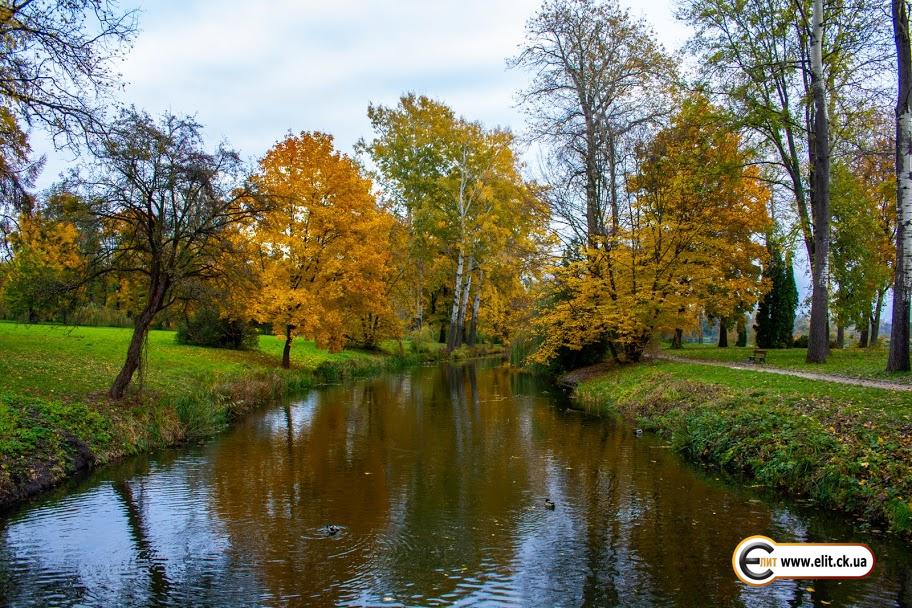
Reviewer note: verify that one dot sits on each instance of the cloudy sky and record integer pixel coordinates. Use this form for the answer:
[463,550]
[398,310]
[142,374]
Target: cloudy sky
[252,71]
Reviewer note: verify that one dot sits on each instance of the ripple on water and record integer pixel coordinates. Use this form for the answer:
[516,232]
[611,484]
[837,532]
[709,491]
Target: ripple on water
[453,513]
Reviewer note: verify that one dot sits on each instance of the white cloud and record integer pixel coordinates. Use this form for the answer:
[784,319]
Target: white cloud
[252,71]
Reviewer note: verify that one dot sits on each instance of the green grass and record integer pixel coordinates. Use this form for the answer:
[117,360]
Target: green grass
[55,417]
[849,448]
[853,362]
[73,362]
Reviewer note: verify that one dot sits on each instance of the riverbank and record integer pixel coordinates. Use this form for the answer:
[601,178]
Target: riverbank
[55,418]
[847,448]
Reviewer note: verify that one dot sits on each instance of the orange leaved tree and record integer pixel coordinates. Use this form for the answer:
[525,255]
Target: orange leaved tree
[324,243]
[688,239]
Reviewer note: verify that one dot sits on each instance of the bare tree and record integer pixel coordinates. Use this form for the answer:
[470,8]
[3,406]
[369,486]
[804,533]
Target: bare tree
[55,73]
[55,61]
[169,209]
[902,286]
[598,75]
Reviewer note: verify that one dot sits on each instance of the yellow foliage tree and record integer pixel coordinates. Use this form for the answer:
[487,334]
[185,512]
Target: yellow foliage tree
[324,244]
[688,240]
[46,259]
[463,200]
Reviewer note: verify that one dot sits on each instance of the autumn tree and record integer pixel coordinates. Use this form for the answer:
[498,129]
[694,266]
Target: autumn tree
[324,244]
[169,211]
[863,239]
[458,188]
[46,261]
[599,75]
[792,72]
[688,237]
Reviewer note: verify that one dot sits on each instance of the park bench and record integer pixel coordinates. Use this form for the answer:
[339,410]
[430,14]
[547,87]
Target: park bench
[759,356]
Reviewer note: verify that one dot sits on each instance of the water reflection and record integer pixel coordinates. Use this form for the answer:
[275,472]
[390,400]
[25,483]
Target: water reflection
[437,480]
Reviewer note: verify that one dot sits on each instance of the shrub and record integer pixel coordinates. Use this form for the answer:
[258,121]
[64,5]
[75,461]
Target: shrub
[207,328]
[424,340]
[95,315]
[800,342]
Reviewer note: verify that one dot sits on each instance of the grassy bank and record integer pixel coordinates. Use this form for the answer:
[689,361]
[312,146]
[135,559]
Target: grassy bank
[848,448]
[852,362]
[55,419]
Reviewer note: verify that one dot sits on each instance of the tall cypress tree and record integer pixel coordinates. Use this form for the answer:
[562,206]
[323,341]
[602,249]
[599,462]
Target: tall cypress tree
[776,313]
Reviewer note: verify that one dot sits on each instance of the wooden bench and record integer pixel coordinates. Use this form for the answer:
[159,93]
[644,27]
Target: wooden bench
[758,357]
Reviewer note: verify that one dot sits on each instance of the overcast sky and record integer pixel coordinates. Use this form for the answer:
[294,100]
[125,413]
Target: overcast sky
[252,71]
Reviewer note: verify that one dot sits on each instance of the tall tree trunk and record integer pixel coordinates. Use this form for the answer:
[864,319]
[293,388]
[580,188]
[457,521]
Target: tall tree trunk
[454,335]
[464,304]
[593,176]
[476,304]
[419,311]
[899,335]
[140,331]
[286,350]
[818,340]
[677,342]
[863,334]
[723,333]
[612,169]
[840,336]
[875,320]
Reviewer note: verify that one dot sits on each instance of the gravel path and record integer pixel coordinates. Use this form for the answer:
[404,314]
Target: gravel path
[884,384]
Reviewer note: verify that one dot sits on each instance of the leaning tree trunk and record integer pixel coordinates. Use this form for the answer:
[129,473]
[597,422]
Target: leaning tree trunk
[899,335]
[286,351]
[818,340]
[134,351]
[723,333]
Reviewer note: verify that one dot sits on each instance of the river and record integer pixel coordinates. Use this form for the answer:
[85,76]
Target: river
[422,488]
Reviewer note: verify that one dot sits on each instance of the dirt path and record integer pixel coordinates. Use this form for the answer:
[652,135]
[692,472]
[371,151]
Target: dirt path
[884,384]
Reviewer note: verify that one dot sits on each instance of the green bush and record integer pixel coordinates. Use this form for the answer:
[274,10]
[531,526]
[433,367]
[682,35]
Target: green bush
[424,340]
[207,328]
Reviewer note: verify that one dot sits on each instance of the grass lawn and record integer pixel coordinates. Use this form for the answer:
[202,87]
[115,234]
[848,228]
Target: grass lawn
[848,447]
[854,362]
[73,362]
[55,418]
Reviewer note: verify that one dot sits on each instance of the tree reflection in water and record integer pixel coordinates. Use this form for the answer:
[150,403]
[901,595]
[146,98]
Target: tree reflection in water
[437,478]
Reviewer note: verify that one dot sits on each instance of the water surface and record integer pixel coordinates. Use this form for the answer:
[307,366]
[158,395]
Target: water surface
[436,479]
